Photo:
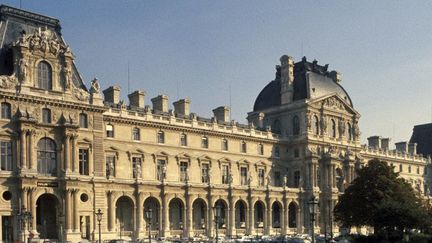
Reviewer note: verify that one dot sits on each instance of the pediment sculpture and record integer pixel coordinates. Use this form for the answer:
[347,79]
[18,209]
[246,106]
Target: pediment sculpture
[44,40]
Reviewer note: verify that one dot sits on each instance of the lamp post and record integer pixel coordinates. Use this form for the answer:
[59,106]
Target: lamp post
[99,219]
[313,202]
[217,216]
[149,216]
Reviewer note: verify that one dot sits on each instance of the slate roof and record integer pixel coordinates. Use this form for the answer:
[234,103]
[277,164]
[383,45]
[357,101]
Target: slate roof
[422,135]
[311,81]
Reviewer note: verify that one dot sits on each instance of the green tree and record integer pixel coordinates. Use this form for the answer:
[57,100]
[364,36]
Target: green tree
[380,199]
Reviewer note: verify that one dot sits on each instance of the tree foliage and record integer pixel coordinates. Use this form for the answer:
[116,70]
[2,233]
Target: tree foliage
[380,199]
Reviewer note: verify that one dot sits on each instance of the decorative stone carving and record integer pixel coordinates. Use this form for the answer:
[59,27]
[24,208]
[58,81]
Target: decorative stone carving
[356,130]
[7,82]
[22,68]
[334,103]
[309,120]
[137,170]
[95,87]
[80,94]
[341,126]
[43,40]
[67,72]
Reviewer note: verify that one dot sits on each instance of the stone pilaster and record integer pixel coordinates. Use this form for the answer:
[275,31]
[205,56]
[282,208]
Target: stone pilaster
[23,149]
[76,220]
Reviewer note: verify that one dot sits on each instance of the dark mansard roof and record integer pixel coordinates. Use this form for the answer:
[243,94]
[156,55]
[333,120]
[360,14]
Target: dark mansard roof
[422,135]
[13,23]
[311,81]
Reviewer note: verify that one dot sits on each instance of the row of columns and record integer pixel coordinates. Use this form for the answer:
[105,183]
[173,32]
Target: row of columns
[27,158]
[72,217]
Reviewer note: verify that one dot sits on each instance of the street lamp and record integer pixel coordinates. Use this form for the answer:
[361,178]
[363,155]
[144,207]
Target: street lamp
[99,219]
[313,203]
[149,215]
[217,217]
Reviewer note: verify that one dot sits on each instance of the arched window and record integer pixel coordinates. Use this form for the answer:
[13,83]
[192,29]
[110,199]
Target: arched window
[5,110]
[161,137]
[333,128]
[276,127]
[349,132]
[44,75]
[316,125]
[46,115]
[296,126]
[47,157]
[136,134]
[83,120]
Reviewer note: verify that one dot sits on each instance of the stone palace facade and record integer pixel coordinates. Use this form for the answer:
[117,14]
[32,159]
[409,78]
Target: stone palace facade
[68,149]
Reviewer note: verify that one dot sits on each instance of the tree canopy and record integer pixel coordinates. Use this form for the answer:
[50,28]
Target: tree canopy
[380,199]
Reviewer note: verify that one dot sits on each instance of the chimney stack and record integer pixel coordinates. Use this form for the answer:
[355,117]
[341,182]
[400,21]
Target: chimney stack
[287,78]
[374,142]
[222,113]
[136,99]
[385,143]
[112,94]
[182,107]
[160,103]
[412,148]
[401,147]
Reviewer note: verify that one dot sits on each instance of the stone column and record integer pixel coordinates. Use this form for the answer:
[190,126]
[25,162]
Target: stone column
[76,210]
[333,171]
[75,153]
[310,176]
[189,217]
[67,154]
[23,149]
[269,225]
[265,218]
[33,207]
[139,215]
[210,217]
[24,197]
[31,157]
[91,161]
[166,226]
[111,213]
[284,218]
[231,215]
[68,208]
[251,212]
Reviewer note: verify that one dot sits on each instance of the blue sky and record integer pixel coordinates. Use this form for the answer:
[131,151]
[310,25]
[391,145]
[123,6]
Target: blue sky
[198,49]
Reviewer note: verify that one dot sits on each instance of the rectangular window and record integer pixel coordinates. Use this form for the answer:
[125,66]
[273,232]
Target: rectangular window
[183,171]
[225,174]
[277,179]
[183,140]
[83,120]
[6,155]
[297,179]
[161,169]
[261,176]
[160,137]
[277,151]
[136,167]
[243,175]
[260,149]
[109,131]
[83,159]
[243,147]
[205,169]
[204,142]
[224,145]
[110,166]
[46,115]
[136,134]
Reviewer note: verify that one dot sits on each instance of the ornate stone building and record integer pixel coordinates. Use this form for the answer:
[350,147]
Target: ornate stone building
[67,150]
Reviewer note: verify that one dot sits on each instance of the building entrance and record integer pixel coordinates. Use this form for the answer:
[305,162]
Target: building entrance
[7,229]
[46,216]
